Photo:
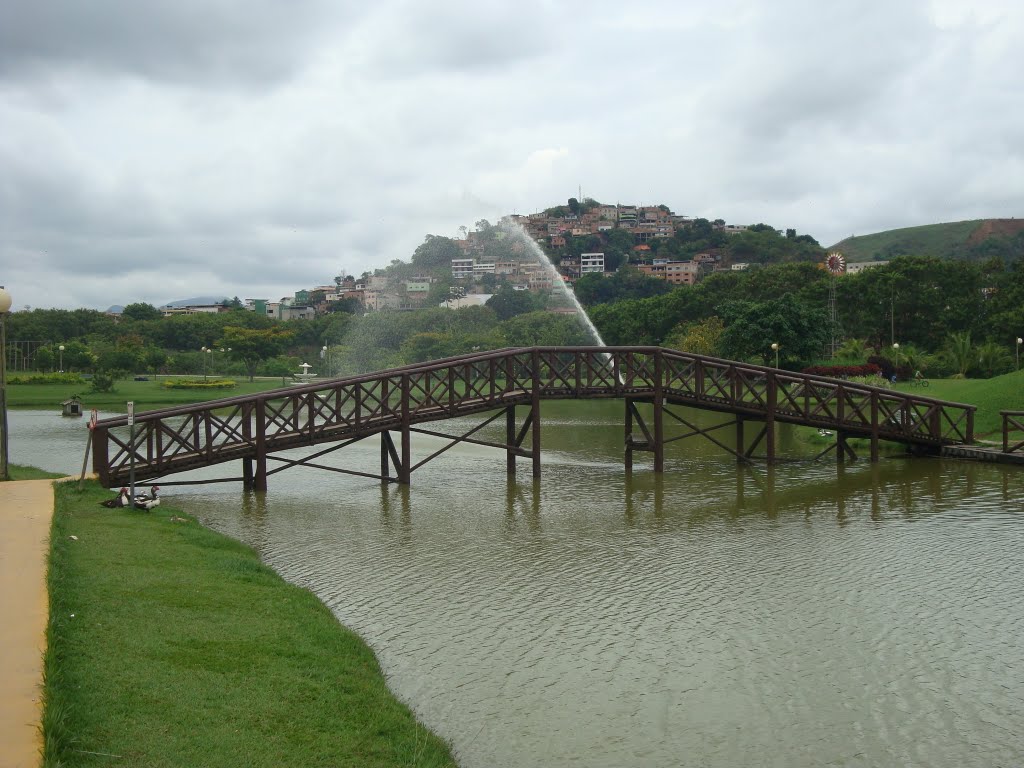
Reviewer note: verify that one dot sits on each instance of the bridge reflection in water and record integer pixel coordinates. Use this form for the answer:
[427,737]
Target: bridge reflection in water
[255,429]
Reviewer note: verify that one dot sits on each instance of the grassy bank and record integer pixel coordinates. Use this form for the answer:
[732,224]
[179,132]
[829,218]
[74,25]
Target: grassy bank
[18,472]
[170,645]
[1000,393]
[147,395]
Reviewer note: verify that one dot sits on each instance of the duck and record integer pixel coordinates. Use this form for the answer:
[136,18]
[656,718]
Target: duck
[148,502]
[121,500]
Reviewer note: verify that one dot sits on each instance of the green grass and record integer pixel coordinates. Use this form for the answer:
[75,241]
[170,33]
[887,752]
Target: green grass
[1000,393]
[930,240]
[147,395]
[170,645]
[19,472]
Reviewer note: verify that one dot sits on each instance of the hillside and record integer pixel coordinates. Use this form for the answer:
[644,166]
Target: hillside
[964,239]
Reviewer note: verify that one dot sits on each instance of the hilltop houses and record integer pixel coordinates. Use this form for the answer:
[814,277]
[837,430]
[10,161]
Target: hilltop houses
[486,258]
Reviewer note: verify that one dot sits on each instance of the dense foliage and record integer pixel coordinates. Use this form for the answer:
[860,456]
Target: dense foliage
[926,305]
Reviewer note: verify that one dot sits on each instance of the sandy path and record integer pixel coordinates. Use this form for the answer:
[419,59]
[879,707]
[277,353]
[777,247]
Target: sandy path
[26,508]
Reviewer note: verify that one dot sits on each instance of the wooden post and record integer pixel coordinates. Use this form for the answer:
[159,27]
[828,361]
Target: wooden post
[874,427]
[535,356]
[739,439]
[628,438]
[260,481]
[100,461]
[659,402]
[405,471]
[247,474]
[510,440]
[769,420]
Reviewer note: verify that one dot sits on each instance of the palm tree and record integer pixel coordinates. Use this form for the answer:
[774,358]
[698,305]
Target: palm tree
[853,351]
[959,350]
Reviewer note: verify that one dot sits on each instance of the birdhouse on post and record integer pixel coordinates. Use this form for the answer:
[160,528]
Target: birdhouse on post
[72,407]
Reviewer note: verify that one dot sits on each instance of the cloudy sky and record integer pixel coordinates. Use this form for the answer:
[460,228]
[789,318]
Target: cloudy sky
[153,150]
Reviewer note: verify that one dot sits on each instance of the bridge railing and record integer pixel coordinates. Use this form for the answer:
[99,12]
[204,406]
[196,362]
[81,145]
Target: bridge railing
[334,409]
[1013,425]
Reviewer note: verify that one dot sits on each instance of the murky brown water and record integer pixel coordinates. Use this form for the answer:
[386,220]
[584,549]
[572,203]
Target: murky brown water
[716,616]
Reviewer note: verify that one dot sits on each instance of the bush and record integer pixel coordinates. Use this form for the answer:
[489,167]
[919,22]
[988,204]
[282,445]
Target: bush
[199,384]
[844,371]
[884,364]
[47,378]
[103,381]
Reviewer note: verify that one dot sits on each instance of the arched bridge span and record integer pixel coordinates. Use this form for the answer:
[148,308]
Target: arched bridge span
[254,429]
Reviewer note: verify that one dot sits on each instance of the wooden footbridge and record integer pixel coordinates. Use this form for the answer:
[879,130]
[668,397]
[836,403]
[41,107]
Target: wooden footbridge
[256,429]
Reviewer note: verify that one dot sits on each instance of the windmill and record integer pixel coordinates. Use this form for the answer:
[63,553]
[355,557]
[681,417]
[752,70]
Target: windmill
[835,264]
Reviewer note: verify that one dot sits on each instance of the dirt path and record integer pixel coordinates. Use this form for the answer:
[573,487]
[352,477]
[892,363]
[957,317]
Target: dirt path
[26,508]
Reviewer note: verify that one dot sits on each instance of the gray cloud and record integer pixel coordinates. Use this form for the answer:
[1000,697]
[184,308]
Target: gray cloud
[254,149]
[177,40]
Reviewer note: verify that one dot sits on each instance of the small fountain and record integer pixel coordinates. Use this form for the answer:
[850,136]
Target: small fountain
[516,230]
[305,377]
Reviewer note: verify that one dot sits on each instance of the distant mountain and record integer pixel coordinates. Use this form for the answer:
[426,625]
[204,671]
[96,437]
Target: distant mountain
[199,300]
[115,309]
[976,239]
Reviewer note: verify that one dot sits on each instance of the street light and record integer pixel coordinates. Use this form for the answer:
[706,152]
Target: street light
[206,351]
[326,358]
[1019,342]
[5,307]
[61,368]
[896,353]
[775,348]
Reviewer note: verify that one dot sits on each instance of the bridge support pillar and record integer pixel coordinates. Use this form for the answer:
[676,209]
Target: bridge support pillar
[535,407]
[874,427]
[628,437]
[739,440]
[510,440]
[247,474]
[260,479]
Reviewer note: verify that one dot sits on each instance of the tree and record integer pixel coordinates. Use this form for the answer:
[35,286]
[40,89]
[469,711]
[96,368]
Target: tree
[752,327]
[252,346]
[544,329]
[960,353]
[140,311]
[421,347]
[436,251]
[699,338]
[508,302]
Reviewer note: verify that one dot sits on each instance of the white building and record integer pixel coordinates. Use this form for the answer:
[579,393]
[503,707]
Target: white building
[591,262]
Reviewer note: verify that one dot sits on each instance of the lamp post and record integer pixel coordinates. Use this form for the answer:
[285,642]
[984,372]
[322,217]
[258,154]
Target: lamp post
[61,367]
[5,307]
[1019,342]
[206,351]
[896,354]
[775,349]
[325,356]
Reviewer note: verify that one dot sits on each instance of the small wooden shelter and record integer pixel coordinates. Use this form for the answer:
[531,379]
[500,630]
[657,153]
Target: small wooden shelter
[71,407]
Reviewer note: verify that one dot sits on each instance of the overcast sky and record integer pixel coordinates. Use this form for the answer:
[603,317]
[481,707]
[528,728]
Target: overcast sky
[154,150]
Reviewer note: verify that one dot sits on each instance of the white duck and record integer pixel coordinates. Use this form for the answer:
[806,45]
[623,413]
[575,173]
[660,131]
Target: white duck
[148,502]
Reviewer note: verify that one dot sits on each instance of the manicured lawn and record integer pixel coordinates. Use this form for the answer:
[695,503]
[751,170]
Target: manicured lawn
[147,395]
[170,645]
[1001,393]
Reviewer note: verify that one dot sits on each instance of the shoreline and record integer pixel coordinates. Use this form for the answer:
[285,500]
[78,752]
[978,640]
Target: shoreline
[173,644]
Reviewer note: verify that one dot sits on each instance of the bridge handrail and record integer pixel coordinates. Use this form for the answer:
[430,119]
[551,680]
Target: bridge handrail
[440,364]
[1011,423]
[221,429]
